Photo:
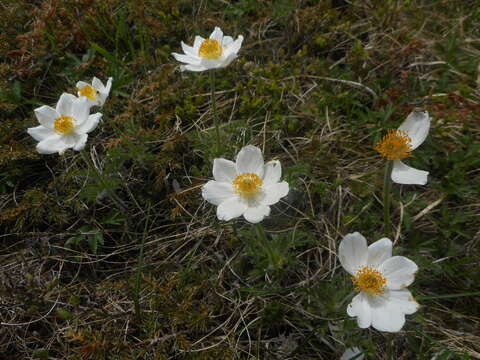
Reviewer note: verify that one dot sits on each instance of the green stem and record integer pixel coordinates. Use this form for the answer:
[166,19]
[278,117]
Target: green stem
[235,231]
[391,347]
[387,187]
[260,233]
[262,241]
[214,109]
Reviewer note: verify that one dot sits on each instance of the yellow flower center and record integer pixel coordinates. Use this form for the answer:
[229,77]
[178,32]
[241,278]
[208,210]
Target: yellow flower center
[395,145]
[210,49]
[88,91]
[64,124]
[369,280]
[247,184]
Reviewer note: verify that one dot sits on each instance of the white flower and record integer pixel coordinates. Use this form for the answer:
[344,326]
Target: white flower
[353,353]
[398,144]
[96,92]
[216,52]
[247,187]
[64,127]
[381,279]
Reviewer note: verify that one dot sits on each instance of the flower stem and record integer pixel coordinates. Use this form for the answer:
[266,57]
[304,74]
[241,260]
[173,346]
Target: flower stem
[390,346]
[214,109]
[387,187]
[263,243]
[260,234]
[235,231]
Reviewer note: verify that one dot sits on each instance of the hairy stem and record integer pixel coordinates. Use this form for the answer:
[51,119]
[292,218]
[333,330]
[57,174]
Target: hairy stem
[390,347]
[214,109]
[387,187]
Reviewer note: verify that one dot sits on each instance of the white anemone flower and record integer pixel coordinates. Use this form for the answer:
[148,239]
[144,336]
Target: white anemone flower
[247,187]
[353,353]
[96,92]
[216,52]
[399,143]
[381,279]
[65,127]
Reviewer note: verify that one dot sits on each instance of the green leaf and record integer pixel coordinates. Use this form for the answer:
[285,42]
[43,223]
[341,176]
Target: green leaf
[94,240]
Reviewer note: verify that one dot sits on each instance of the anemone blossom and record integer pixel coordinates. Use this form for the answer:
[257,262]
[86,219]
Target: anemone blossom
[96,92]
[65,127]
[381,280]
[247,187]
[399,143]
[218,51]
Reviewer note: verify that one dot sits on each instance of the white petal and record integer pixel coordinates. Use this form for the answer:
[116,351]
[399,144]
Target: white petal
[227,40]
[256,214]
[97,84]
[81,109]
[273,193]
[101,97]
[399,271]
[360,308]
[386,314]
[234,47]
[216,192]
[404,301]
[217,34]
[70,141]
[53,144]
[103,93]
[80,141]
[89,125]
[188,50]
[81,84]
[272,172]
[192,68]
[64,104]
[212,63]
[196,44]
[108,87]
[389,309]
[40,133]
[353,353]
[231,208]
[379,251]
[46,115]
[416,125]
[226,61]
[224,170]
[250,160]
[403,174]
[352,252]
[187,59]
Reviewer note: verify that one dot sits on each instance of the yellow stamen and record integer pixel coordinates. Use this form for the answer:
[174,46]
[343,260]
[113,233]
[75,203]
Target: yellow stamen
[210,49]
[247,184]
[395,145]
[369,280]
[88,91]
[64,124]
